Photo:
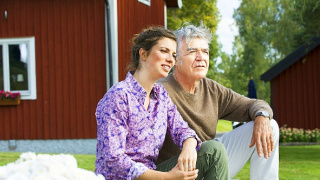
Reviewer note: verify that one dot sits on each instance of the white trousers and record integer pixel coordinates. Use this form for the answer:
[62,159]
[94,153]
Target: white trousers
[237,143]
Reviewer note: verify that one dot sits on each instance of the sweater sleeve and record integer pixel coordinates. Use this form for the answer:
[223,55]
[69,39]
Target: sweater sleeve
[236,107]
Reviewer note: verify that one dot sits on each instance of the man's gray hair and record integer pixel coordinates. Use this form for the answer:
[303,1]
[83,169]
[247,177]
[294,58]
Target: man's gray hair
[190,32]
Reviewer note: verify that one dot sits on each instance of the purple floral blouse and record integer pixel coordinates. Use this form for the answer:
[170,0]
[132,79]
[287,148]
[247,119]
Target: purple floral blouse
[129,137]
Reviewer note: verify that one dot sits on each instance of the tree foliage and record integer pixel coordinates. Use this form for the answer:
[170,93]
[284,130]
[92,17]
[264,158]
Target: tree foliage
[268,31]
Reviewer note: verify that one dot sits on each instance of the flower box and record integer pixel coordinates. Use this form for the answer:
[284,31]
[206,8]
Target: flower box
[9,99]
[10,102]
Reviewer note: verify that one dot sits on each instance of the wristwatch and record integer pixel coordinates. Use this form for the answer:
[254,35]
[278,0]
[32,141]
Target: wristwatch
[264,114]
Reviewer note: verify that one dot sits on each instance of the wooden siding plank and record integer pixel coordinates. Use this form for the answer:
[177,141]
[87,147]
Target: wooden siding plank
[281,100]
[288,98]
[293,100]
[22,18]
[273,100]
[14,124]
[93,65]
[72,69]
[66,126]
[312,90]
[58,69]
[51,59]
[25,115]
[309,89]
[100,59]
[305,104]
[16,26]
[2,123]
[3,21]
[11,19]
[318,87]
[78,61]
[18,127]
[298,115]
[38,121]
[85,17]
[316,81]
[294,104]
[46,68]
[31,105]
[280,106]
[4,120]
[29,17]
[300,104]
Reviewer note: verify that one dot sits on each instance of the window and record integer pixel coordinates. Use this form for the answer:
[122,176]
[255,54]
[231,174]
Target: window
[147,2]
[17,66]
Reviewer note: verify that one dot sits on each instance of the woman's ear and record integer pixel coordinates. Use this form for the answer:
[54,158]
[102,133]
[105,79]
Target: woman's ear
[142,54]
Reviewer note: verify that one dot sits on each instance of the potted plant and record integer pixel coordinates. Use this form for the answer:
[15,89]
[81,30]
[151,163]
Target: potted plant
[8,98]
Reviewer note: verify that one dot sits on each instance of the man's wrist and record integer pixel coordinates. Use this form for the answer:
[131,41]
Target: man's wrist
[264,114]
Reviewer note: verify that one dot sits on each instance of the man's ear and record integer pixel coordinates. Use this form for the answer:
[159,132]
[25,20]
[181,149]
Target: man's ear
[143,54]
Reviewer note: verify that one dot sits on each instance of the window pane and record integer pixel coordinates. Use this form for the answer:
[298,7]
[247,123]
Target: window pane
[1,69]
[18,63]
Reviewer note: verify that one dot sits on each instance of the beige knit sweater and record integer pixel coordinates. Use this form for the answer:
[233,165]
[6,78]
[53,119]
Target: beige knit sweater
[202,110]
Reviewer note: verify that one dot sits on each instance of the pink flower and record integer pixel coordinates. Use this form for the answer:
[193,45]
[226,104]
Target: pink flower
[8,95]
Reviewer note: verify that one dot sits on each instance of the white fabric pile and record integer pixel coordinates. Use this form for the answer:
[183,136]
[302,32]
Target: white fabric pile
[46,167]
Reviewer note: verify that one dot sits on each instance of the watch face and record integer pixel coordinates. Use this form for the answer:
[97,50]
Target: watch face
[265,114]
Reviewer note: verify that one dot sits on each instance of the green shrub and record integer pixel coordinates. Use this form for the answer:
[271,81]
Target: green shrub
[288,134]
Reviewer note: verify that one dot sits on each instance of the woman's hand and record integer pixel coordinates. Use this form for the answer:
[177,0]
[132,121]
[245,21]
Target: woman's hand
[184,170]
[176,173]
[188,157]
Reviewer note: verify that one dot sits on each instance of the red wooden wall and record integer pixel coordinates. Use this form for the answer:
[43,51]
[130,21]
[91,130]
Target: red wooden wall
[133,16]
[296,93]
[70,67]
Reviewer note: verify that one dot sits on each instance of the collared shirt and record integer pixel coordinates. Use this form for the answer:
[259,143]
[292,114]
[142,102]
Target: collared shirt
[129,137]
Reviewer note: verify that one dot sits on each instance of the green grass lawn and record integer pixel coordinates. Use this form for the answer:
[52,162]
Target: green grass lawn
[224,126]
[296,162]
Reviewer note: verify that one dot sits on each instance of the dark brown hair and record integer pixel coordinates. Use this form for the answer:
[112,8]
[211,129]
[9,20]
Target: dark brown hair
[146,40]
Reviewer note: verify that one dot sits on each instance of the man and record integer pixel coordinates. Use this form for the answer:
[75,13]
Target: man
[202,101]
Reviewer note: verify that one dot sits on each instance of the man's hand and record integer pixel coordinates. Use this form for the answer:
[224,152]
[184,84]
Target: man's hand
[262,136]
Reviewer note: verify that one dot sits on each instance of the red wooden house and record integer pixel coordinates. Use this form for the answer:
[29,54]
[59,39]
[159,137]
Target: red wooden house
[62,56]
[295,87]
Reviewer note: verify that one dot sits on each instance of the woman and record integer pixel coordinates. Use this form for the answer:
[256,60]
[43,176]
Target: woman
[134,116]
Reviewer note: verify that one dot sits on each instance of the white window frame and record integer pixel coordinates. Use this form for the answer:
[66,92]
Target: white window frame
[31,93]
[146,2]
